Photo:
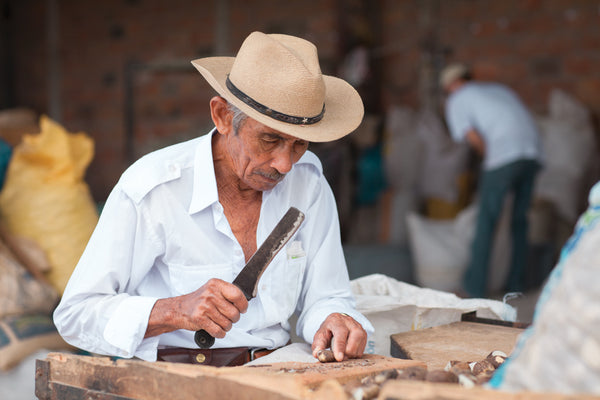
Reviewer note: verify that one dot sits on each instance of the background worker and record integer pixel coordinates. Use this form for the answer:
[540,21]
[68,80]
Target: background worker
[496,124]
[182,222]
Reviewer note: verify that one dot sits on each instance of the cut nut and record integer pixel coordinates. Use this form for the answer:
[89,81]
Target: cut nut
[325,356]
[482,367]
[460,368]
[385,375]
[366,392]
[465,373]
[496,359]
[441,376]
[484,377]
[412,373]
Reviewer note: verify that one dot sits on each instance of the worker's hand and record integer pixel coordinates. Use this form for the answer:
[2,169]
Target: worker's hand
[343,334]
[214,307]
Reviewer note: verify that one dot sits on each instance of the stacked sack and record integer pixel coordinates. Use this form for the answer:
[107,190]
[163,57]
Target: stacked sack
[46,218]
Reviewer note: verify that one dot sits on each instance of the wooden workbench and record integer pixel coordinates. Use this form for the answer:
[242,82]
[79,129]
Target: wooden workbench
[458,341]
[69,377]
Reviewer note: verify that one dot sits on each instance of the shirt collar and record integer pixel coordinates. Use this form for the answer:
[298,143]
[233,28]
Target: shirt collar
[204,192]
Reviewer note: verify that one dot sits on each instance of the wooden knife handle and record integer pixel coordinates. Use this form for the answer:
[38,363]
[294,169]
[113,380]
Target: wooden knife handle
[203,339]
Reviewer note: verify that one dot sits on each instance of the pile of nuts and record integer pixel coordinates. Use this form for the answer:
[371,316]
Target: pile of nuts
[467,374]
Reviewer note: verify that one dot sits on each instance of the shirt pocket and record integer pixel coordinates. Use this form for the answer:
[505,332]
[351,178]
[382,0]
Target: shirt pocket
[289,285]
[187,278]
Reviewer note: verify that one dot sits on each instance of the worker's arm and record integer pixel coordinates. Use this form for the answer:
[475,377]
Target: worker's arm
[476,141]
[214,307]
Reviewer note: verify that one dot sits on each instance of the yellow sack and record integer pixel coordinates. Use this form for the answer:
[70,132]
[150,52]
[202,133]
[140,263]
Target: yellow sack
[46,199]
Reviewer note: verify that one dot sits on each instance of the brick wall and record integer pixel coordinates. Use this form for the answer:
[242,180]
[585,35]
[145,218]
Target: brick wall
[124,75]
[531,45]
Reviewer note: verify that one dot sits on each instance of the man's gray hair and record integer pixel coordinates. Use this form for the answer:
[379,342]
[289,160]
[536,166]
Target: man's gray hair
[238,117]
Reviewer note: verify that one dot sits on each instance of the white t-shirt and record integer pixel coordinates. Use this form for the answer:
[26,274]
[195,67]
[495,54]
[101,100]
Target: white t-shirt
[498,115]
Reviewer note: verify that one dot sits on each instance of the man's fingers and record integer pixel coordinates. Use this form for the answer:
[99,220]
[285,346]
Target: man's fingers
[229,311]
[224,293]
[217,306]
[218,331]
[356,344]
[339,344]
[235,296]
[320,341]
[343,334]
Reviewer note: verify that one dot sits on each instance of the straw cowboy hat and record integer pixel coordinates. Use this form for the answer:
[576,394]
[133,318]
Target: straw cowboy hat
[276,80]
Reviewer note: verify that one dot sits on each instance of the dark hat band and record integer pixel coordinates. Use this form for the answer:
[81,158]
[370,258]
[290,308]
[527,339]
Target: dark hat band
[291,119]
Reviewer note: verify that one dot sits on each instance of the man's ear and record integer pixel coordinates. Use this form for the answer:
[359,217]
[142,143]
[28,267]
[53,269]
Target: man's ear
[219,112]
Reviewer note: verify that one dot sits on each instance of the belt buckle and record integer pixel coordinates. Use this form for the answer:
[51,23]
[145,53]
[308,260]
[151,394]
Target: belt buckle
[253,352]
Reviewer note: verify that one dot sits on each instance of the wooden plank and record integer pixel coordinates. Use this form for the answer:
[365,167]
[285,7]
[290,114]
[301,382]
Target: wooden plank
[158,381]
[63,375]
[312,375]
[42,373]
[68,377]
[67,392]
[460,341]
[411,390]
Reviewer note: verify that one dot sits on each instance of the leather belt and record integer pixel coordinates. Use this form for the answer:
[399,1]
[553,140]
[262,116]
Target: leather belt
[226,357]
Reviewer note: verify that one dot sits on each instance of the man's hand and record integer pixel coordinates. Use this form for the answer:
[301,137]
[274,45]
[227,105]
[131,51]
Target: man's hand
[343,334]
[214,307]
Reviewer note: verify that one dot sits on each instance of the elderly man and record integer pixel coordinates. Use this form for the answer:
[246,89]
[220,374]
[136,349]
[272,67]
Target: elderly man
[494,121]
[182,222]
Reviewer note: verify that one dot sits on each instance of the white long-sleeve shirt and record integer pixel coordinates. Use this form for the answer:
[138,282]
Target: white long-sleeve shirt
[163,233]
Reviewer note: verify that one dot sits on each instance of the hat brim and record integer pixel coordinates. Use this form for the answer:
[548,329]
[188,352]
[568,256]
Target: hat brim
[343,106]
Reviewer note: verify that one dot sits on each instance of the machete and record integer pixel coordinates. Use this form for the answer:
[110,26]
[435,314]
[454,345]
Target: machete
[247,279]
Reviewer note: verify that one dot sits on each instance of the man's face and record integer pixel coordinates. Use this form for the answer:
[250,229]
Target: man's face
[262,156]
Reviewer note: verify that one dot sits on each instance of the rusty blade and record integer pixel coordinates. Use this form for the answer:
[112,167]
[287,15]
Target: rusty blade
[247,279]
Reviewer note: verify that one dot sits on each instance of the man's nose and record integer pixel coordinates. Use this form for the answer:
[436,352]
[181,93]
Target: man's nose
[283,160]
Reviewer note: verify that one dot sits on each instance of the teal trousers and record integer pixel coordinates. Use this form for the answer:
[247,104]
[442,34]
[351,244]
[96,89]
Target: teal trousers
[494,185]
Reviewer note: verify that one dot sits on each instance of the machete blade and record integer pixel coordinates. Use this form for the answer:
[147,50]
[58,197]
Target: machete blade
[247,279]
